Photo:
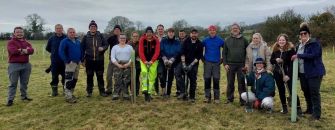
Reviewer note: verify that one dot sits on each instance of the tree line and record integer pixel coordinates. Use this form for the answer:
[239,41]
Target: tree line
[322,27]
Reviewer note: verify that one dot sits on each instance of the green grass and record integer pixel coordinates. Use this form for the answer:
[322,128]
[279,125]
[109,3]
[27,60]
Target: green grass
[46,112]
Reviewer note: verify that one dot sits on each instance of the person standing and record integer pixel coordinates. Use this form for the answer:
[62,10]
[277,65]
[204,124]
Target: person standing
[94,46]
[134,43]
[112,40]
[212,61]
[182,36]
[149,49]
[160,36]
[282,52]
[191,53]
[160,32]
[71,53]
[257,49]
[19,67]
[170,53]
[311,71]
[57,65]
[234,55]
[121,58]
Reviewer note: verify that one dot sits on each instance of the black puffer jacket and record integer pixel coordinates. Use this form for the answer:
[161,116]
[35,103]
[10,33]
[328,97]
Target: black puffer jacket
[91,43]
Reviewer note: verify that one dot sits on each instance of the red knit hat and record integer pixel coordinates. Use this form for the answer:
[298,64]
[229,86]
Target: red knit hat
[212,27]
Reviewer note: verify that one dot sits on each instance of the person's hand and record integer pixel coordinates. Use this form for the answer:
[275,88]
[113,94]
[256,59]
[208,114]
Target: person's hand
[170,62]
[126,65]
[279,60]
[294,57]
[166,62]
[148,63]
[221,61]
[101,49]
[286,78]
[227,67]
[120,66]
[25,51]
[244,70]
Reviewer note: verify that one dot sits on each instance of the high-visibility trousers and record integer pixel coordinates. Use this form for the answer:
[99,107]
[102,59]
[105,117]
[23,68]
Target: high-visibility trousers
[148,76]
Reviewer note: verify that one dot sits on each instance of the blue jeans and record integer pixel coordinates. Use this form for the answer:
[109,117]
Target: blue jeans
[16,72]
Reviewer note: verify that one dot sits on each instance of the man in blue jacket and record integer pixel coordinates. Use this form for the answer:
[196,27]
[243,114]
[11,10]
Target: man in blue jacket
[71,53]
[57,65]
[212,61]
[170,53]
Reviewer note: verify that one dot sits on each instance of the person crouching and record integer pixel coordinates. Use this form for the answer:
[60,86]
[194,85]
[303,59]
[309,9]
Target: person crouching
[263,87]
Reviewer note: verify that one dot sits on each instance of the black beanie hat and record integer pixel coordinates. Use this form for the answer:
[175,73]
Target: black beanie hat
[117,26]
[92,23]
[304,27]
[149,28]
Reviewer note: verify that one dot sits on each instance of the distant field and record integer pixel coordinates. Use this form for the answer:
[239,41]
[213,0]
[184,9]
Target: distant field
[46,112]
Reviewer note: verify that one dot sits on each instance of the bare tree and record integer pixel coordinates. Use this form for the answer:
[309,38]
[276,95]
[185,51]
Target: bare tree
[35,26]
[139,25]
[124,22]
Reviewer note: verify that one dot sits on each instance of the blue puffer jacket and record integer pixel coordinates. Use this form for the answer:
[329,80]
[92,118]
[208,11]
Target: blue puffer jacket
[170,48]
[312,56]
[213,47]
[70,51]
[52,47]
[264,87]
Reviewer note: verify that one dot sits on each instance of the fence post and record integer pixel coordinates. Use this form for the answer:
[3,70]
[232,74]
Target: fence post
[294,91]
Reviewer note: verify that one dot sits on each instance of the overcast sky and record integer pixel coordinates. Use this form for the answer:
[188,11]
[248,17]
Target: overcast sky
[78,13]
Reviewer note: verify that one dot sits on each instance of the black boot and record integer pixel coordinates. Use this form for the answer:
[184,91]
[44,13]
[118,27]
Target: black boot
[102,92]
[54,92]
[147,97]
[284,109]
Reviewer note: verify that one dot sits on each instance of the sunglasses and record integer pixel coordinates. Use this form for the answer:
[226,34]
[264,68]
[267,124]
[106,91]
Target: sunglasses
[303,33]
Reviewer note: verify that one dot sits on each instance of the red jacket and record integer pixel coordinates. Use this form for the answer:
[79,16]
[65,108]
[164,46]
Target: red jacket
[149,51]
[15,55]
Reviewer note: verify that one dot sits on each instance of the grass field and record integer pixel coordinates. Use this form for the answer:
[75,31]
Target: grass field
[46,112]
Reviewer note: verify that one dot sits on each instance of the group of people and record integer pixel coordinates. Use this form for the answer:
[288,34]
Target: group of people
[161,58]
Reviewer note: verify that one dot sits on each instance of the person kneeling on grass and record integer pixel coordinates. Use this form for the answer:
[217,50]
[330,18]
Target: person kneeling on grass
[263,89]
[120,57]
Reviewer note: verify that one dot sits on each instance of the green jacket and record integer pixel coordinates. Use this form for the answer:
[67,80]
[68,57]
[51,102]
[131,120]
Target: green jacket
[234,50]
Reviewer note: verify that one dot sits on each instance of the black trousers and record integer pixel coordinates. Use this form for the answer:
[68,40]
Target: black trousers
[235,70]
[138,71]
[96,67]
[282,89]
[162,79]
[56,70]
[311,89]
[192,77]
